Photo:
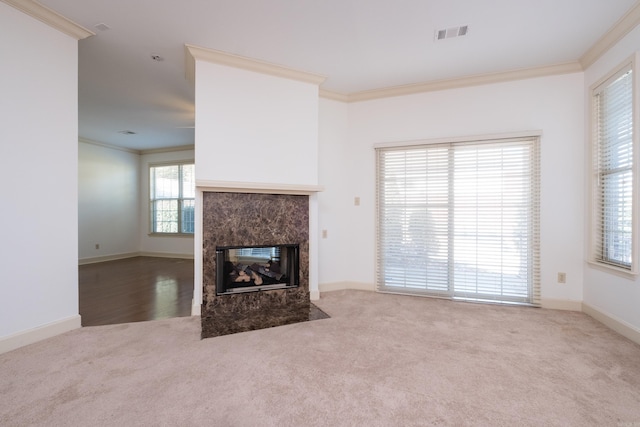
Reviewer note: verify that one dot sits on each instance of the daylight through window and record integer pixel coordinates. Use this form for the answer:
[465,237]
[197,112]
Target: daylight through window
[460,220]
[172,190]
[613,172]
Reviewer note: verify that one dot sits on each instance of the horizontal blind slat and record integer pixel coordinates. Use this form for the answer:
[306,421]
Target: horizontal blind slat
[463,222]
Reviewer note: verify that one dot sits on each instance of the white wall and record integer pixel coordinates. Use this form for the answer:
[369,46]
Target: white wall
[616,297]
[178,246]
[551,104]
[114,205]
[39,140]
[108,201]
[253,127]
[335,167]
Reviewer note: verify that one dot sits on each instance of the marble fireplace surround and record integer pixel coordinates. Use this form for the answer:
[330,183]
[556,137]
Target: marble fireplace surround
[240,214]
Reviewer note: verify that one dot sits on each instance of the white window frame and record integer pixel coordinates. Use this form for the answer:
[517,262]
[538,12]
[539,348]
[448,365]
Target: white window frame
[180,199]
[533,269]
[595,228]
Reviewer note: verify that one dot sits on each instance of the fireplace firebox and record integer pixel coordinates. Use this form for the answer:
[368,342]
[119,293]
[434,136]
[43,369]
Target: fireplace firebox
[256,268]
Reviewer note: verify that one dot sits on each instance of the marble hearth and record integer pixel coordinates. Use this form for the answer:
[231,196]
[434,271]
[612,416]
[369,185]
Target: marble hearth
[254,219]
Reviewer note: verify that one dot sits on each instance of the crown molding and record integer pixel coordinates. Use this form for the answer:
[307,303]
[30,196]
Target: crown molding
[327,94]
[112,147]
[168,149]
[51,18]
[627,23]
[138,152]
[481,79]
[236,61]
[193,53]
[189,65]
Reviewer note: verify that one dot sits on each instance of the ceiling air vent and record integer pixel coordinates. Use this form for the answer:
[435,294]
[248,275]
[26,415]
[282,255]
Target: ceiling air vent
[452,32]
[102,27]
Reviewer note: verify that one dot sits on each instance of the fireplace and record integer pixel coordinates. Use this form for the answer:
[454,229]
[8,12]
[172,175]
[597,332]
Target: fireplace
[248,238]
[257,268]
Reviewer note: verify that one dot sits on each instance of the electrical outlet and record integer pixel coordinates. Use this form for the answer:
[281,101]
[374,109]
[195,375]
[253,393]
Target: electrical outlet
[356,201]
[324,234]
[97,245]
[562,277]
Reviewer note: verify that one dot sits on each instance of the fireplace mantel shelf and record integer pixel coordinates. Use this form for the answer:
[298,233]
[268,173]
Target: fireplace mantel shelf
[257,187]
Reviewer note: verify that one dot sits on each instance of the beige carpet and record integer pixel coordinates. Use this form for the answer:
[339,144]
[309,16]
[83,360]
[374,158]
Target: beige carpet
[380,360]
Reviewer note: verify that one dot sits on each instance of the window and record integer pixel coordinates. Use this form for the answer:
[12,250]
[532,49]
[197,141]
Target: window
[172,193]
[613,172]
[272,252]
[460,220]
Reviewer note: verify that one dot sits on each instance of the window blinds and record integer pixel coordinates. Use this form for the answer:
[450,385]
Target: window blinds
[613,171]
[460,220]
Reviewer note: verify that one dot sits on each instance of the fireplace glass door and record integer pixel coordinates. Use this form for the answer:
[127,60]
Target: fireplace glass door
[256,268]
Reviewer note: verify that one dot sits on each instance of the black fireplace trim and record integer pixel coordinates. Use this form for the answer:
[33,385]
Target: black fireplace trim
[293,273]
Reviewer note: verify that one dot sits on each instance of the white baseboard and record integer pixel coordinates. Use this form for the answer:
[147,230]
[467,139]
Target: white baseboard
[40,333]
[613,322]
[97,259]
[166,255]
[340,286]
[546,303]
[196,309]
[94,260]
[561,304]
[609,320]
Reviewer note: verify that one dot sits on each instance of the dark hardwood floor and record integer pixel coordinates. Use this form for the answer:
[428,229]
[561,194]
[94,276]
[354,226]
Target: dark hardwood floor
[134,290]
